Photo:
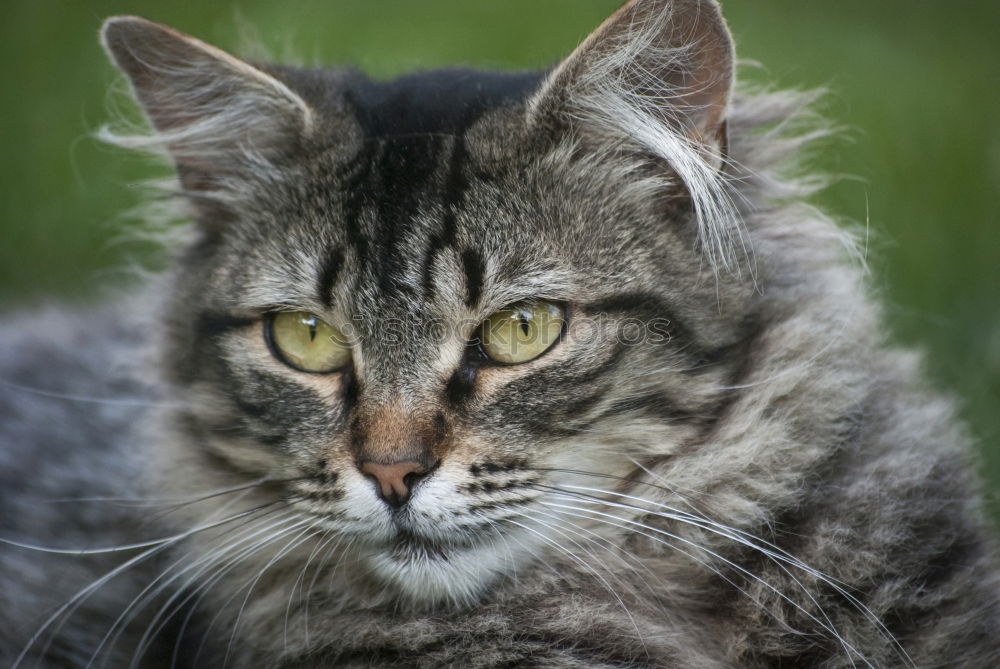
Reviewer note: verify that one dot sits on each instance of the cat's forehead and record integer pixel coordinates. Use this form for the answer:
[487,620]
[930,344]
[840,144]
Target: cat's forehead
[442,102]
[420,194]
[434,193]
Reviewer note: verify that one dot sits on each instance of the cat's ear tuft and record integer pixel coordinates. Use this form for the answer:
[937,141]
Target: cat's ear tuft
[217,115]
[667,61]
[654,81]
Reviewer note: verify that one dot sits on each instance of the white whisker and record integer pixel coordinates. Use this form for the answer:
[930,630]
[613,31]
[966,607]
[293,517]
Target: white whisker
[773,552]
[293,543]
[80,596]
[608,517]
[582,563]
[325,538]
[199,567]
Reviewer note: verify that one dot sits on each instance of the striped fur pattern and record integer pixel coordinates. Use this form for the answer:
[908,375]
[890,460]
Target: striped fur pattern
[721,463]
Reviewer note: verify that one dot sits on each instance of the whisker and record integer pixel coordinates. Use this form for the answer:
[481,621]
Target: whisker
[773,552]
[296,541]
[232,565]
[153,628]
[80,596]
[202,591]
[155,501]
[601,516]
[219,511]
[720,528]
[69,397]
[798,583]
[219,561]
[495,528]
[625,479]
[684,552]
[647,577]
[325,538]
[565,532]
[583,564]
[615,550]
[129,547]
[87,551]
[319,570]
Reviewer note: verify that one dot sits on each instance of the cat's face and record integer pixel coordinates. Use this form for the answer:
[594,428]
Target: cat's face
[418,322]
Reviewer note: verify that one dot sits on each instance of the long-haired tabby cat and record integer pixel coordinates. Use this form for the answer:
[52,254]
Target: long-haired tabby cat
[474,369]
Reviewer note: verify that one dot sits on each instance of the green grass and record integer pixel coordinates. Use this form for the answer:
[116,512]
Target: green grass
[917,84]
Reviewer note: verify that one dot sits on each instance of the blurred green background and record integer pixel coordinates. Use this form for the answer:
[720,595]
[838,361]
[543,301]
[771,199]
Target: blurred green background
[916,84]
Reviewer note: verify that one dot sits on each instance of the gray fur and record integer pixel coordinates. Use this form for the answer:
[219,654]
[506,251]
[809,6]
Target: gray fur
[770,484]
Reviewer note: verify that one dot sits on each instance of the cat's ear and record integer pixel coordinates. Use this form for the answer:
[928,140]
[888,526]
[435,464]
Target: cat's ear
[219,117]
[653,65]
[653,83]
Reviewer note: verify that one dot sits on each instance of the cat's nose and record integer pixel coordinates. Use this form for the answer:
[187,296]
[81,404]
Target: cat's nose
[395,481]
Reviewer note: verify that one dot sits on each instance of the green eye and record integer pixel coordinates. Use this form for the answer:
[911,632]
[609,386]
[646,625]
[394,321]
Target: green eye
[522,332]
[301,340]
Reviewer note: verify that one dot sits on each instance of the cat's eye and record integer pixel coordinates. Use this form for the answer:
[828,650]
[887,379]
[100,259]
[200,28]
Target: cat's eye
[521,332]
[303,341]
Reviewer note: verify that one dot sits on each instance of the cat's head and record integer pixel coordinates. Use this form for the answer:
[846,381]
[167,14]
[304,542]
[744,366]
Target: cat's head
[422,306]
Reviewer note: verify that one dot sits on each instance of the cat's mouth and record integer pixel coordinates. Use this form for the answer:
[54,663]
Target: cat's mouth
[409,547]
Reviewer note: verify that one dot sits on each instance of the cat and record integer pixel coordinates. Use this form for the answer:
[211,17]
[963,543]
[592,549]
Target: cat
[471,369]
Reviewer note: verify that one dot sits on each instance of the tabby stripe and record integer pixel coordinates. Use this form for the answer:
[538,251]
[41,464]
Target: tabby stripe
[434,245]
[472,263]
[658,406]
[328,275]
[454,188]
[452,197]
[571,393]
[405,167]
[565,372]
[741,358]
[648,307]
[198,431]
[357,197]
[461,385]
[268,403]
[209,325]
[554,423]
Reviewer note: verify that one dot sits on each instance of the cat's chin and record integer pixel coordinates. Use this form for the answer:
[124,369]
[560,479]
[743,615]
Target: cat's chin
[425,574]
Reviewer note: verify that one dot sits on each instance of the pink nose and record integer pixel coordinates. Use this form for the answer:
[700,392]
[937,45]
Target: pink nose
[395,481]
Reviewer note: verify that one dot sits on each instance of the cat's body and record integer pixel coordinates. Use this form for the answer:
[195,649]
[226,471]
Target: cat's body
[72,392]
[755,481]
